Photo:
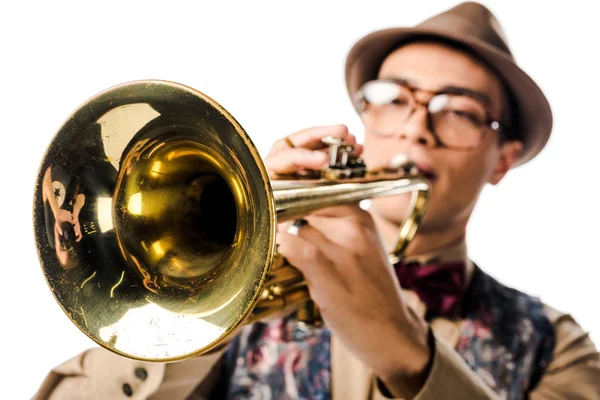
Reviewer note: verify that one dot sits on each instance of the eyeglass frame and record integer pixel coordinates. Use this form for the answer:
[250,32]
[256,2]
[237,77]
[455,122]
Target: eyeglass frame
[490,123]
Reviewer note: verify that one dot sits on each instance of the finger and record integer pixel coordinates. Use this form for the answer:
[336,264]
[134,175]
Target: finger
[284,226]
[341,211]
[358,149]
[310,138]
[293,160]
[314,235]
[352,235]
[305,256]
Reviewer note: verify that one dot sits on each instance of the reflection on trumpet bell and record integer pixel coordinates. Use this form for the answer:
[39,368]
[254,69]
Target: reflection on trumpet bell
[175,225]
[184,219]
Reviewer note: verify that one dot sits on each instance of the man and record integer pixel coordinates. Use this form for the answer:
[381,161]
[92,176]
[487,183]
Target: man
[449,96]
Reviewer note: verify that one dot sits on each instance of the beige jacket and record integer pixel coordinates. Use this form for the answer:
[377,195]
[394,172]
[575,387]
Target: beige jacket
[574,372]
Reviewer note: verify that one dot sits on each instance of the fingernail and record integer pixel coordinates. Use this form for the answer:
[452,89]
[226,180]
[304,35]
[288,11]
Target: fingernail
[318,155]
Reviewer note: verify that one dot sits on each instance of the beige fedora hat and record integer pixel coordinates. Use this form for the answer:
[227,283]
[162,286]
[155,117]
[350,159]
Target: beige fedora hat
[473,26]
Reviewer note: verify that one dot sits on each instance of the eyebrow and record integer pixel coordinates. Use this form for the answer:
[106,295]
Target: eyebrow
[450,89]
[483,97]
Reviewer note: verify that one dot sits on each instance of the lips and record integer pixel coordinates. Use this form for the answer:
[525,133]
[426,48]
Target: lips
[425,169]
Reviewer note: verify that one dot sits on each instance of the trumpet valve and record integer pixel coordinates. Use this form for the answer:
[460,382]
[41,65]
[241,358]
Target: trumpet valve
[343,162]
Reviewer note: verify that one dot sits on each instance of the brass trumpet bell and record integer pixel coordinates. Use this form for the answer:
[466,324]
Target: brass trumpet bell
[155,221]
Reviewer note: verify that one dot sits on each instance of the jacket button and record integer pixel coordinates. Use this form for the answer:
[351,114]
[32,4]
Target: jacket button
[127,390]
[141,373]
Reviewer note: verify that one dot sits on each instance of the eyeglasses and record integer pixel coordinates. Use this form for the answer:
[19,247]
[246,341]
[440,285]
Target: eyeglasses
[457,120]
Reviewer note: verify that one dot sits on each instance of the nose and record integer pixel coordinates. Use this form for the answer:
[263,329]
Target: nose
[416,128]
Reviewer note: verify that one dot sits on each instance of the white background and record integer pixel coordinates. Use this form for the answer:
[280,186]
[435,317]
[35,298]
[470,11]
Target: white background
[278,67]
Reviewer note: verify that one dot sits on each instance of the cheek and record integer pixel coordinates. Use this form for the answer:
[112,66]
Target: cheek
[376,151]
[464,180]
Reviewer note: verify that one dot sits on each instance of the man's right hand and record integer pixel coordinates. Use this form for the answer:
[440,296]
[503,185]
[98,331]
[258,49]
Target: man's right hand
[308,153]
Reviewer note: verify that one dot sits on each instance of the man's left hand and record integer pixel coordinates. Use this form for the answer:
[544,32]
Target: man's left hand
[343,261]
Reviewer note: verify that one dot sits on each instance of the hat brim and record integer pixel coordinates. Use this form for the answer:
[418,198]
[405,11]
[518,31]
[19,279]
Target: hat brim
[534,112]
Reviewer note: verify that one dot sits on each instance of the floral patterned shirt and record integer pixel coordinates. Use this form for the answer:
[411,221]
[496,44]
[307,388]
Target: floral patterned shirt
[505,338]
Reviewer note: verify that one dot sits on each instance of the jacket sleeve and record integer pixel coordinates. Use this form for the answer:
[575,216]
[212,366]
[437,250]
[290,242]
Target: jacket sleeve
[450,377]
[100,374]
[573,373]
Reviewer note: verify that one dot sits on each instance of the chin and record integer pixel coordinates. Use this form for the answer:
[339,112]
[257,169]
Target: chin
[395,209]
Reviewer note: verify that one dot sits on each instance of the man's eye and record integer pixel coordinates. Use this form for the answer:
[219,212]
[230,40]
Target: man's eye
[474,118]
[399,102]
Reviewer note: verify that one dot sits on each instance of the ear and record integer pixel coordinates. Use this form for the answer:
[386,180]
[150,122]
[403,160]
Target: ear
[509,154]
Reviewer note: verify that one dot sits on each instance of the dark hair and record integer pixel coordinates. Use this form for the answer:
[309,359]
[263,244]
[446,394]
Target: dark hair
[67,239]
[510,113]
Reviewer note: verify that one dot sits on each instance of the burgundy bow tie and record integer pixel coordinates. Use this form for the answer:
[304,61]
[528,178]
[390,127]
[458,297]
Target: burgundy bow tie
[440,286]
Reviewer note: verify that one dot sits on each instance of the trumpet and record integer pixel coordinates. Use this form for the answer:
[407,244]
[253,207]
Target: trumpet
[174,221]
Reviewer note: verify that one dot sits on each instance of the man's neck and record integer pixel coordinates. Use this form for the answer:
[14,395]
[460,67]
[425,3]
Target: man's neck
[425,242]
